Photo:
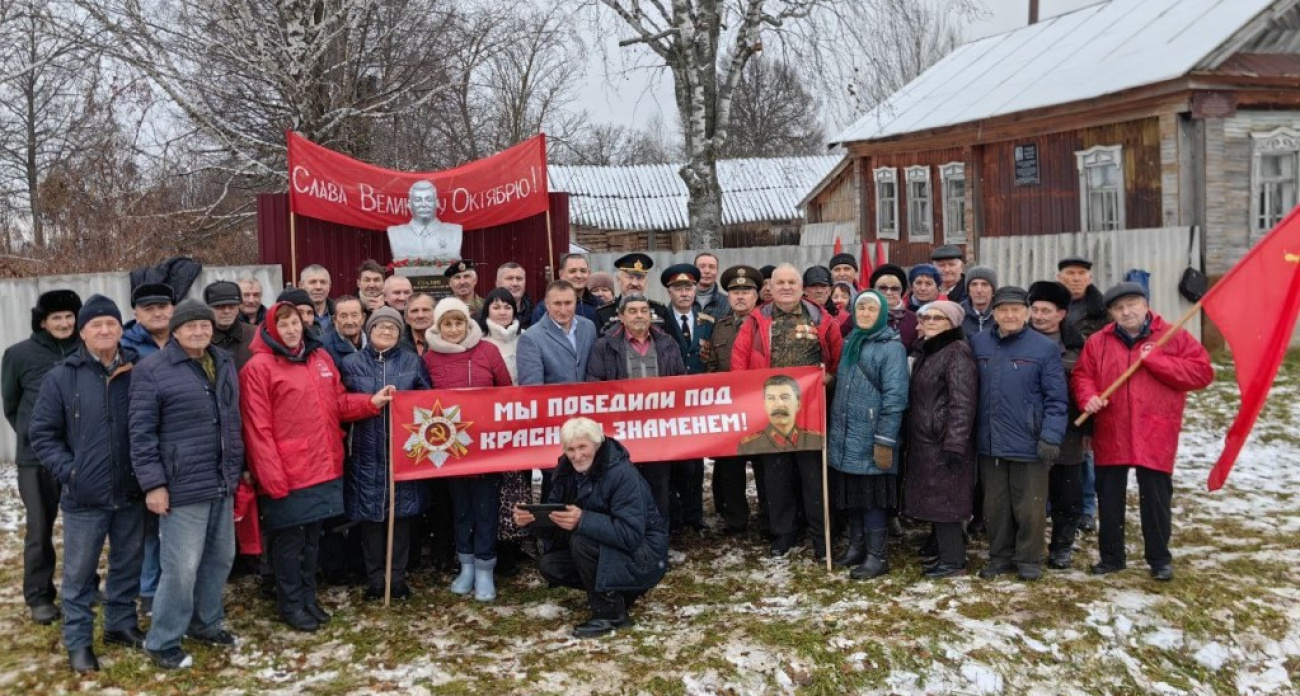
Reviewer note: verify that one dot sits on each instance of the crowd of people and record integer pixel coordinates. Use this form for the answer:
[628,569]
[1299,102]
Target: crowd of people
[206,435]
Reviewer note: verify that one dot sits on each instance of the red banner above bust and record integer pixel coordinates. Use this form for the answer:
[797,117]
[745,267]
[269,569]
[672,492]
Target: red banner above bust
[458,432]
[327,185]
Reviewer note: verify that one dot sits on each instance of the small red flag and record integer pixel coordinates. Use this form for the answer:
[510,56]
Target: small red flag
[864,260]
[1255,307]
[880,254]
[839,248]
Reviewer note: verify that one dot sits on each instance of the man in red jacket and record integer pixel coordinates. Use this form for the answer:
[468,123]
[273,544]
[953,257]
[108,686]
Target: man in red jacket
[790,332]
[1138,426]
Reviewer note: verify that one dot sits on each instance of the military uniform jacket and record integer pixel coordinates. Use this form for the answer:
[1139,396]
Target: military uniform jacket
[769,440]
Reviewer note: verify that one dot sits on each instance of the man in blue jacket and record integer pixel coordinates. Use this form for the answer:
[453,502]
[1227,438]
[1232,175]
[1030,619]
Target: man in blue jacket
[1019,428]
[187,452]
[79,433]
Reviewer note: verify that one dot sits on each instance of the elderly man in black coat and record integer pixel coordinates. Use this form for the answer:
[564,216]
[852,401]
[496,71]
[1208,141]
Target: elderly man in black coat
[54,337]
[187,451]
[637,349]
[609,540]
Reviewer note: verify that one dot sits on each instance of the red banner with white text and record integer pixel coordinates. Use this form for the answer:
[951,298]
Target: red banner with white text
[456,432]
[327,185]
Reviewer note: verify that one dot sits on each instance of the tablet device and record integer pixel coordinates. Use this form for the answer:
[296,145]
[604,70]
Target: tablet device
[542,512]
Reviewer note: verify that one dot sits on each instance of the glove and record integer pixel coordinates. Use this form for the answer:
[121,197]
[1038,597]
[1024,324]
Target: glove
[954,460]
[1048,452]
[884,456]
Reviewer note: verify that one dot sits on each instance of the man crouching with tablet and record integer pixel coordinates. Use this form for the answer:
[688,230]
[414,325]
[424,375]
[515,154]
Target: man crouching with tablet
[600,529]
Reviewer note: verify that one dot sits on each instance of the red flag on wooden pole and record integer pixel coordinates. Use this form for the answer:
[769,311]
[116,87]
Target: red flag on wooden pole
[864,261]
[1255,307]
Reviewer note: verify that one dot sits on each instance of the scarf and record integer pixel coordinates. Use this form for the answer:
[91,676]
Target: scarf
[859,336]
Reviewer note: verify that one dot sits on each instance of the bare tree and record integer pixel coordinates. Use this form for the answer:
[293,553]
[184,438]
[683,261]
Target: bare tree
[687,35]
[244,71]
[773,114]
[609,144]
[865,51]
[47,101]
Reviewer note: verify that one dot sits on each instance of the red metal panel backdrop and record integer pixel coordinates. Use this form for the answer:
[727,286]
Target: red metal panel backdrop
[341,249]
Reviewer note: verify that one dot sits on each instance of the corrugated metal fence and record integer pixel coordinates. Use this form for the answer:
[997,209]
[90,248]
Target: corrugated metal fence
[1162,252]
[17,297]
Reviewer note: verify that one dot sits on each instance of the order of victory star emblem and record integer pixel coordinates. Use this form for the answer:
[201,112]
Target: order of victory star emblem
[437,435]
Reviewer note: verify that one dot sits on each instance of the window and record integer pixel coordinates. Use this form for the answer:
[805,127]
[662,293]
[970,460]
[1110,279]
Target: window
[886,203]
[1273,178]
[920,205]
[953,178]
[1101,188]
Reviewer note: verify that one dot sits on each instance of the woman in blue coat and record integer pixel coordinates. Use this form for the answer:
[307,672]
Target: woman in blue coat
[365,492]
[866,414]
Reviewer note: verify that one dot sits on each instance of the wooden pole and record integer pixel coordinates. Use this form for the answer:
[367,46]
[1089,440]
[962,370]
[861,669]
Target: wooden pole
[552,261]
[392,511]
[1132,369]
[826,484]
[293,248]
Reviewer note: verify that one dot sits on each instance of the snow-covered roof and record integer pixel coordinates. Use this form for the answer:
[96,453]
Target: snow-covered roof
[1092,52]
[653,197]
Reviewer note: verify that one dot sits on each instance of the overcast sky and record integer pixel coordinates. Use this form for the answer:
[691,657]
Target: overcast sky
[616,94]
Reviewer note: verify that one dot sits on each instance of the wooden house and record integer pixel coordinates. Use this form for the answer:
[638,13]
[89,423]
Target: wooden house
[1125,115]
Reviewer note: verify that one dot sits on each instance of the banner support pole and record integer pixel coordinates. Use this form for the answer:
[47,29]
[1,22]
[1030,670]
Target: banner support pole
[293,248]
[392,514]
[826,485]
[1132,369]
[552,262]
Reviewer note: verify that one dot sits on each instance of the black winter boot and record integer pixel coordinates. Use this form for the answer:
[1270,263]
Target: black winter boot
[856,552]
[608,614]
[877,562]
[1060,551]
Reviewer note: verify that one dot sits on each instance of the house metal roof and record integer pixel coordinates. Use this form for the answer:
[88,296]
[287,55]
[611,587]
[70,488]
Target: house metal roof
[1092,52]
[653,197]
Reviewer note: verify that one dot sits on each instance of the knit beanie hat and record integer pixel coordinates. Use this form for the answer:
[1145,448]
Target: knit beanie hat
[297,296]
[449,304]
[385,313]
[97,306]
[921,269]
[600,279]
[952,310]
[191,310]
[982,273]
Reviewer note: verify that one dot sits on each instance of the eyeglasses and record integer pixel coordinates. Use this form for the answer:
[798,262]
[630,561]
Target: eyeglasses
[889,288]
[386,327]
[932,317]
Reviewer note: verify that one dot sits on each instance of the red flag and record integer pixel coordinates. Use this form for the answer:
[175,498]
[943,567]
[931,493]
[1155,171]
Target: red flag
[839,248]
[1255,306]
[880,254]
[864,276]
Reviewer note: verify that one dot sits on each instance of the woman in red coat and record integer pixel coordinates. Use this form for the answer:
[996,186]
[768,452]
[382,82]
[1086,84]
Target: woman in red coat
[458,357]
[292,402]
[1138,426]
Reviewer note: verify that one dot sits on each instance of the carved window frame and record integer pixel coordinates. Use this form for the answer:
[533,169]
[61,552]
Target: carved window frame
[920,205]
[954,206]
[886,185]
[1101,208]
[1283,144]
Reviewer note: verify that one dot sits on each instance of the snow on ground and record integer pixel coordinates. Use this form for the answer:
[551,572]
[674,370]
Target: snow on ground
[730,620]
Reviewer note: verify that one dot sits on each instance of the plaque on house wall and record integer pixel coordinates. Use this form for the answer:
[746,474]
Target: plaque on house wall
[1026,161]
[439,286]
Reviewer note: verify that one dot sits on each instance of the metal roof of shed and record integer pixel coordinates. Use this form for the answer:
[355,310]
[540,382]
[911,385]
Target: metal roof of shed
[1092,52]
[653,197]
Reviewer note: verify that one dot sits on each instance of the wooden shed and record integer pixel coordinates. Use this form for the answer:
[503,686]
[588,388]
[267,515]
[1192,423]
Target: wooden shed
[1126,115]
